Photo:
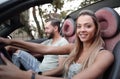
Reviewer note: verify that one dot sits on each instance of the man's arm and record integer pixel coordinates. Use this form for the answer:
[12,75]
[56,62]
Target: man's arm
[38,48]
[11,49]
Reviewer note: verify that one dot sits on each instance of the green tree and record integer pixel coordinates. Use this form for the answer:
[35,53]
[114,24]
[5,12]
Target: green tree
[39,30]
[57,4]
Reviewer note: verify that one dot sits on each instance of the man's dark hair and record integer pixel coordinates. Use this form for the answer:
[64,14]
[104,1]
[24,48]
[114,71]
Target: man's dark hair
[54,22]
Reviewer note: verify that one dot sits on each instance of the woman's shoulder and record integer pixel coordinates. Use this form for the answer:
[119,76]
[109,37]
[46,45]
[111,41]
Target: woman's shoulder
[104,51]
[105,58]
[106,54]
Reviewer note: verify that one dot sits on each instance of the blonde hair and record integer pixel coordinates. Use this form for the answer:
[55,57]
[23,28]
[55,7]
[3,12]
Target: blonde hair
[92,51]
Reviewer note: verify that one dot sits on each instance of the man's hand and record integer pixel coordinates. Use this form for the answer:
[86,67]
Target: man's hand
[4,40]
[11,49]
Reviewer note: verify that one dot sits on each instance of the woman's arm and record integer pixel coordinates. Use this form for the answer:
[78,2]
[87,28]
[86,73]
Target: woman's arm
[38,48]
[102,62]
[10,71]
[54,72]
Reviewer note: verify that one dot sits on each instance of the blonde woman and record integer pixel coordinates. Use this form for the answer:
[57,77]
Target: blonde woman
[87,60]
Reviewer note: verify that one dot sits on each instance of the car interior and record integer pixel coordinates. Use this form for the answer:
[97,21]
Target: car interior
[107,16]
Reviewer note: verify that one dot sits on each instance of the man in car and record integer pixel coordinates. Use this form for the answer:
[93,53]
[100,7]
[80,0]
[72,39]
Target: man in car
[52,30]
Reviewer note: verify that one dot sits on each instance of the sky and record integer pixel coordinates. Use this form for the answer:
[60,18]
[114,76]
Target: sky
[2,1]
[67,5]
[71,5]
[118,10]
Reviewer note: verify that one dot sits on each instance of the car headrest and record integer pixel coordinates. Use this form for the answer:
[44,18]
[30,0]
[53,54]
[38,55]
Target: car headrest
[110,26]
[69,29]
[109,21]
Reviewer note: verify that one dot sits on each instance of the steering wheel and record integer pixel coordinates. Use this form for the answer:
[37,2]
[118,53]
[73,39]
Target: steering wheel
[5,53]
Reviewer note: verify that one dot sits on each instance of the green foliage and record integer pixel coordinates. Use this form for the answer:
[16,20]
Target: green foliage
[58,4]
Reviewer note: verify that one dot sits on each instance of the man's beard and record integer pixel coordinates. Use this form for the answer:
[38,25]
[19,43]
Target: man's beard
[51,36]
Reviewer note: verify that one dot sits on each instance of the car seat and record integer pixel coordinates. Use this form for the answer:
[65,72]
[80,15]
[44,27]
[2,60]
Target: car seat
[110,30]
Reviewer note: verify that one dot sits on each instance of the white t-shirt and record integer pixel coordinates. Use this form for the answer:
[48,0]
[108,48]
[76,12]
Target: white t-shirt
[51,61]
